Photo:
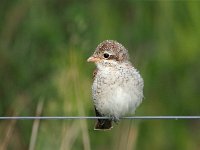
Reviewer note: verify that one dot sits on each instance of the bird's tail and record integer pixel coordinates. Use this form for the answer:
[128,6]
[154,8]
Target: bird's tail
[103,124]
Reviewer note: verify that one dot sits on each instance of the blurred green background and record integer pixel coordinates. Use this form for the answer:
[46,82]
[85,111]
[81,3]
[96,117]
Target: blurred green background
[44,45]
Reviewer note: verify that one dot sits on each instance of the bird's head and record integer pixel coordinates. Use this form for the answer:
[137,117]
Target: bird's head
[109,52]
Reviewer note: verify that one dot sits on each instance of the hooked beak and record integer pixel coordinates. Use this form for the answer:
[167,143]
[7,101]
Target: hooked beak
[93,59]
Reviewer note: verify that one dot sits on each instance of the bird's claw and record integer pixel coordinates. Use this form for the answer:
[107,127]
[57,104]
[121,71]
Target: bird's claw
[115,119]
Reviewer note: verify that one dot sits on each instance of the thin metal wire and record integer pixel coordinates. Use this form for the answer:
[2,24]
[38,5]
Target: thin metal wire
[93,117]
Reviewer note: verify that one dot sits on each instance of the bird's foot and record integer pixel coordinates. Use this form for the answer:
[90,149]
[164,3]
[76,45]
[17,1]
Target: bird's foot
[115,119]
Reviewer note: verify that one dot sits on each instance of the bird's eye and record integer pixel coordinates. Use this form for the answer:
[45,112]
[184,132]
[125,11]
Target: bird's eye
[106,55]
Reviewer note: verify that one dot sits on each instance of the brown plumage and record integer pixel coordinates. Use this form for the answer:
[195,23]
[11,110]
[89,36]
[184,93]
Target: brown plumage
[102,124]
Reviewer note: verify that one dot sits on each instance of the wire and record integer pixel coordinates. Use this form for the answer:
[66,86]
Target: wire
[93,117]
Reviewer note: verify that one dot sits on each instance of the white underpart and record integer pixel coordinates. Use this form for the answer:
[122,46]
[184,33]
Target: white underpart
[117,90]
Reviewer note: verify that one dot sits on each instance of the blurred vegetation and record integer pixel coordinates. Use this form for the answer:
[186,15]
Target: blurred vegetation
[43,50]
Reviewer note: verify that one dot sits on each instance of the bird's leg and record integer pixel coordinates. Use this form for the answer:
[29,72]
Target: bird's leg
[115,119]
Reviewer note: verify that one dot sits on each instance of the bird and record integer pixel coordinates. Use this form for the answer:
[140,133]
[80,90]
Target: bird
[117,87]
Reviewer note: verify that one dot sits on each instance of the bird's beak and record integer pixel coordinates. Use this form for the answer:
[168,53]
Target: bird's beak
[93,59]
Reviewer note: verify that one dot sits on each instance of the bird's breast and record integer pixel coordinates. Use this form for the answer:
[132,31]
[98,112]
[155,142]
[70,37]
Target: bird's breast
[114,92]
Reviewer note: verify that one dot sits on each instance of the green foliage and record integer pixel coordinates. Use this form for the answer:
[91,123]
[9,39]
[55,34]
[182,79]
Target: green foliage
[44,46]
